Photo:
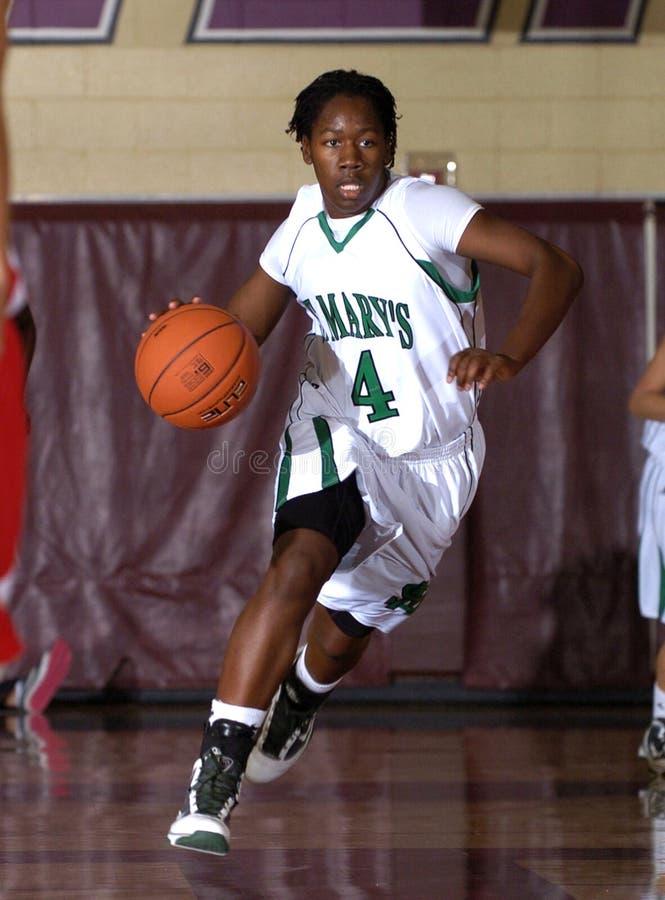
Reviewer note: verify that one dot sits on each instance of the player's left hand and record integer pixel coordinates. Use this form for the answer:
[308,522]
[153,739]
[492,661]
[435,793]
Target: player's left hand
[480,367]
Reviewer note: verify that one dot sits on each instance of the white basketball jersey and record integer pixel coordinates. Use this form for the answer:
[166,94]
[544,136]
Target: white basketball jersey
[385,322]
[653,438]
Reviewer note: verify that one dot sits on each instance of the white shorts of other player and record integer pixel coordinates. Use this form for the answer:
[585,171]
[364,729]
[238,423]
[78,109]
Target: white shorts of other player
[651,527]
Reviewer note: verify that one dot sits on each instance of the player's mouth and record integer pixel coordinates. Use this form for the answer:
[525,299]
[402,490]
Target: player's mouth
[350,190]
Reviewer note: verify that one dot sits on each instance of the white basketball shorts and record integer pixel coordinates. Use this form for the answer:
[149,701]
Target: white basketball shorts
[414,504]
[651,528]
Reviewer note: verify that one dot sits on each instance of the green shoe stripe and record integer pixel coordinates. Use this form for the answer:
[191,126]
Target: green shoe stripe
[205,841]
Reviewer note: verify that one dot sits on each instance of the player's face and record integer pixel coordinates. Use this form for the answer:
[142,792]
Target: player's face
[348,150]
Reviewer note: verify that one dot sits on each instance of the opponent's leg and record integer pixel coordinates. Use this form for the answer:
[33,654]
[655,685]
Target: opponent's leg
[33,693]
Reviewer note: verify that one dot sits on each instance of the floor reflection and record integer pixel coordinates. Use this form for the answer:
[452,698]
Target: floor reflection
[386,803]
[31,737]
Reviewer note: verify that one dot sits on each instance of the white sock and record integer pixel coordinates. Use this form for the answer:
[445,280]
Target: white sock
[303,674]
[244,714]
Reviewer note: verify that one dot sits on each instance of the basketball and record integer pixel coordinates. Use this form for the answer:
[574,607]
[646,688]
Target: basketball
[197,366]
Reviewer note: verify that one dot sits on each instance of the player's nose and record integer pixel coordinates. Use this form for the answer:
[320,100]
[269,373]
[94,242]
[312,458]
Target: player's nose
[350,157]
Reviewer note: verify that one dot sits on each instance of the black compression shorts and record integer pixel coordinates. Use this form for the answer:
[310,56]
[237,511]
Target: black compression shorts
[338,512]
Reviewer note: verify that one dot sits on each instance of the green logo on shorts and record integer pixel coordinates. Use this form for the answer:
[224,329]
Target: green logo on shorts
[412,596]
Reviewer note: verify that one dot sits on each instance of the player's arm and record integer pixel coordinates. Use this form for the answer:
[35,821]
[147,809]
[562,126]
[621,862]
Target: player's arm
[647,401]
[554,281]
[260,303]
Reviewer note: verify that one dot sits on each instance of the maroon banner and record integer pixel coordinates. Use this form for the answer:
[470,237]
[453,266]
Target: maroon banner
[143,541]
[373,20]
[64,21]
[553,599]
[581,20]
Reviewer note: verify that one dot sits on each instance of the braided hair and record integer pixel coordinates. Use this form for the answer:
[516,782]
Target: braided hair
[311,100]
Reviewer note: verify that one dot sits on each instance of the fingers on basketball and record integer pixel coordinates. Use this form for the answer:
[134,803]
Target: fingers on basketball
[197,366]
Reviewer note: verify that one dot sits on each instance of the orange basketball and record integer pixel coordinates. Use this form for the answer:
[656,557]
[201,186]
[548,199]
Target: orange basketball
[197,366]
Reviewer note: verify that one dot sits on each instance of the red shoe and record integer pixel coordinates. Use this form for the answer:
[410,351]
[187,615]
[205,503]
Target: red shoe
[35,692]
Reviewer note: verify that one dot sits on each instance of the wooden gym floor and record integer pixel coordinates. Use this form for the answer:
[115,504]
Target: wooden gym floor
[405,802]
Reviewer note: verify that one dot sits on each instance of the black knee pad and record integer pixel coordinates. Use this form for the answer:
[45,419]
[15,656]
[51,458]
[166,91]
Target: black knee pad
[349,624]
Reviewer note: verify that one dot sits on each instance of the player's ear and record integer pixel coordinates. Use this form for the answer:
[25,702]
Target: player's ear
[305,149]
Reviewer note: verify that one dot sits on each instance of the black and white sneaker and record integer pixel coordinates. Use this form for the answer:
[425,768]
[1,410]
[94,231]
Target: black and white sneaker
[203,822]
[286,731]
[652,748]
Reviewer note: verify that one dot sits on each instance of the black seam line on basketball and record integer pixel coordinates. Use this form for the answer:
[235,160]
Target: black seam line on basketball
[174,313]
[185,349]
[177,412]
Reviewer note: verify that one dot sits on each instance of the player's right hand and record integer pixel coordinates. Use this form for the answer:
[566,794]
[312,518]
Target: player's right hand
[476,366]
[172,304]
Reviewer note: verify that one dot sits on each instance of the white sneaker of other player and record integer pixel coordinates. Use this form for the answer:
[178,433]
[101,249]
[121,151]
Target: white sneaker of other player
[652,748]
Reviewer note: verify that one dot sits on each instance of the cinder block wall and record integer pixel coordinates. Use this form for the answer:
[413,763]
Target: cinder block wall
[150,115]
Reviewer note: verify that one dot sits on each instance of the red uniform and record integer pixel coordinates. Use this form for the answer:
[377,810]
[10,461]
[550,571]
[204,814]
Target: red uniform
[13,456]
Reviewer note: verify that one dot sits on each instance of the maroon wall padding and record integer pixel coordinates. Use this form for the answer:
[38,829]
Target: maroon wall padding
[142,541]
[552,600]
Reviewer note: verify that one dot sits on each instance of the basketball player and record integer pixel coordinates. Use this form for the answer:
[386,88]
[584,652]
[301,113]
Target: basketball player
[382,448]
[10,645]
[34,692]
[647,402]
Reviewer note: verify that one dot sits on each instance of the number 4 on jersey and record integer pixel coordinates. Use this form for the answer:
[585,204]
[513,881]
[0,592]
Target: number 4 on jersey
[368,390]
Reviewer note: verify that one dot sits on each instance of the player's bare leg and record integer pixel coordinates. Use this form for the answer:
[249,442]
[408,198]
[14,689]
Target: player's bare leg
[327,656]
[265,636]
[330,652]
[260,650]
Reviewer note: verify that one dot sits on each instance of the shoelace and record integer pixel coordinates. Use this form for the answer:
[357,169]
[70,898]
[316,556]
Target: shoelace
[216,791]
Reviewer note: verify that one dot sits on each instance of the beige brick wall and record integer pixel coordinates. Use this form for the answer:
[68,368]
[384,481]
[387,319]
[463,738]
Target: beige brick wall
[151,115]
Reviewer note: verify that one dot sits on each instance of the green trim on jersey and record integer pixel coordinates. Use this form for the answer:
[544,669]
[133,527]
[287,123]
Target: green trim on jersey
[329,466]
[338,246]
[284,471]
[457,295]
